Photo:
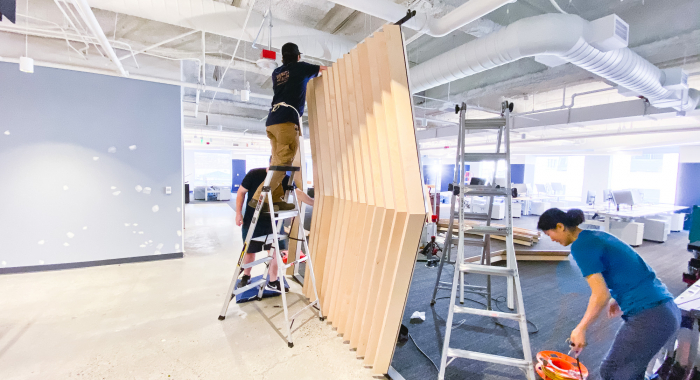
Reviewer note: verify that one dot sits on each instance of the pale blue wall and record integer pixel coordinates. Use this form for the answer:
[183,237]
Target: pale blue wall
[58,121]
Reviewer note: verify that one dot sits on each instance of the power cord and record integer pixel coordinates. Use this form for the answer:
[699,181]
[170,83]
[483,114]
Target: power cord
[497,301]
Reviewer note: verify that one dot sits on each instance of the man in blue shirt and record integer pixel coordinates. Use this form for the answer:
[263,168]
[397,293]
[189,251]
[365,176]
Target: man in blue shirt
[289,84]
[623,283]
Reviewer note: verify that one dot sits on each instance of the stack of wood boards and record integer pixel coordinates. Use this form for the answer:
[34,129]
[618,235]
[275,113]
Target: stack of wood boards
[521,236]
[369,206]
[530,255]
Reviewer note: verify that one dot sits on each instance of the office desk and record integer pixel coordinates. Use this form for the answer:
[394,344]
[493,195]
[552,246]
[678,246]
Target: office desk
[639,211]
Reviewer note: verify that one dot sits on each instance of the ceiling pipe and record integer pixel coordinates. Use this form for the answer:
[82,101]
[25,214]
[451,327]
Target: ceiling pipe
[560,38]
[225,20]
[91,21]
[422,22]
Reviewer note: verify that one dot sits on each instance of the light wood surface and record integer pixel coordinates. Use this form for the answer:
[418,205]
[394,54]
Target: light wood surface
[372,206]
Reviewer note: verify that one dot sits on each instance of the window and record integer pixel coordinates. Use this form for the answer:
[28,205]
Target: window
[212,169]
[562,175]
[652,176]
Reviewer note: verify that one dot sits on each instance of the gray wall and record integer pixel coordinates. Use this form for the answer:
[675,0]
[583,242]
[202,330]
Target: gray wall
[60,180]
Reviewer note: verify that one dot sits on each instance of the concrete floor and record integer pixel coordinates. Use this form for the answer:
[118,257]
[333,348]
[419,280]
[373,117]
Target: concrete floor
[158,320]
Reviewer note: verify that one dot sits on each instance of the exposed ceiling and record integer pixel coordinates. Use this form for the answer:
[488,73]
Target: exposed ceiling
[665,32]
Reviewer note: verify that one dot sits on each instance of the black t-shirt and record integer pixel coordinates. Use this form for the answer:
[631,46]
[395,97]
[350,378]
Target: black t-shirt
[252,180]
[289,84]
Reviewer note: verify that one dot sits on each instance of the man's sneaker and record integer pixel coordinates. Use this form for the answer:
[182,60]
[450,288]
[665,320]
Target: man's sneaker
[274,286]
[245,279]
[284,206]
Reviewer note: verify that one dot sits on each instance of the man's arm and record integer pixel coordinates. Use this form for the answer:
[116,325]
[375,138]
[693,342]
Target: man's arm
[240,197]
[600,295]
[304,197]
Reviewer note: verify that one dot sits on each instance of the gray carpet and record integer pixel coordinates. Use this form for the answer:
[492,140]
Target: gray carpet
[555,296]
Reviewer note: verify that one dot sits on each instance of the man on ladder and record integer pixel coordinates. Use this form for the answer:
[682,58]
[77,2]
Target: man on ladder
[252,180]
[285,133]
[289,84]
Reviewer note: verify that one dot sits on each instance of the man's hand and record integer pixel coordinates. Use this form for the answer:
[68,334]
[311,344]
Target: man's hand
[239,219]
[578,340]
[614,310]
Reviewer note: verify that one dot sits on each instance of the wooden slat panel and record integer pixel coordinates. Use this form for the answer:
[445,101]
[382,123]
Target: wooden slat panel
[365,197]
[373,206]
[346,197]
[318,185]
[397,80]
[366,294]
[358,206]
[338,190]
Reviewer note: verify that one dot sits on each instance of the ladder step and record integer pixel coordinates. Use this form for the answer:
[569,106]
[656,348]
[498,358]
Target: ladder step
[268,239]
[293,317]
[484,123]
[249,286]
[487,269]
[473,216]
[281,215]
[490,230]
[485,191]
[496,359]
[476,157]
[284,168]
[487,313]
[257,262]
[470,242]
[302,260]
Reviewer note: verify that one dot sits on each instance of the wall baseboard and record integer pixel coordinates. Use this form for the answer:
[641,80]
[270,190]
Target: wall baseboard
[85,264]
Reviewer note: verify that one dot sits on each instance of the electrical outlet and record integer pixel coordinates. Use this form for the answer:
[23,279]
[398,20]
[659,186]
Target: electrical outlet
[168,190]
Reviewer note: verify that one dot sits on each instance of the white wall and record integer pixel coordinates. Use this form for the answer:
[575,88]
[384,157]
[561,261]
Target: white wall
[67,197]
[689,154]
[596,176]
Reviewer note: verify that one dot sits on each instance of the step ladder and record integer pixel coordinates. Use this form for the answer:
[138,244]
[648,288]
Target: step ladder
[277,218]
[457,212]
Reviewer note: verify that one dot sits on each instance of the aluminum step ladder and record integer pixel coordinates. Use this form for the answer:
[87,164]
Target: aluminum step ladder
[277,218]
[483,267]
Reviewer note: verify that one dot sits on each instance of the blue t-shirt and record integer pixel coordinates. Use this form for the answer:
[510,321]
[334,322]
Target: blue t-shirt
[632,283]
[289,84]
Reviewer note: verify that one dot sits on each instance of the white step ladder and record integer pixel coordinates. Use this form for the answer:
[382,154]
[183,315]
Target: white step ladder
[277,218]
[510,271]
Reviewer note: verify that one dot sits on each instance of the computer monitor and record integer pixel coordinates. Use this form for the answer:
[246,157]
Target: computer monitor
[501,182]
[477,181]
[590,198]
[607,195]
[541,189]
[557,188]
[623,197]
[522,189]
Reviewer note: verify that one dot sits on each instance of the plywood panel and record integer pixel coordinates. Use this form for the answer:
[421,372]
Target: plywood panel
[373,207]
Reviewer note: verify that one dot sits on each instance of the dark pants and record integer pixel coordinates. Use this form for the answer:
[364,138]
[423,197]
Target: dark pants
[638,340]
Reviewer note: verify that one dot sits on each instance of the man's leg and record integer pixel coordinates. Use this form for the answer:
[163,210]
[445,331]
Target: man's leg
[287,138]
[273,266]
[273,145]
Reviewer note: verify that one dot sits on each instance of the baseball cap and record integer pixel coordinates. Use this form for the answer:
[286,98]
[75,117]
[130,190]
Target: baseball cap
[290,49]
